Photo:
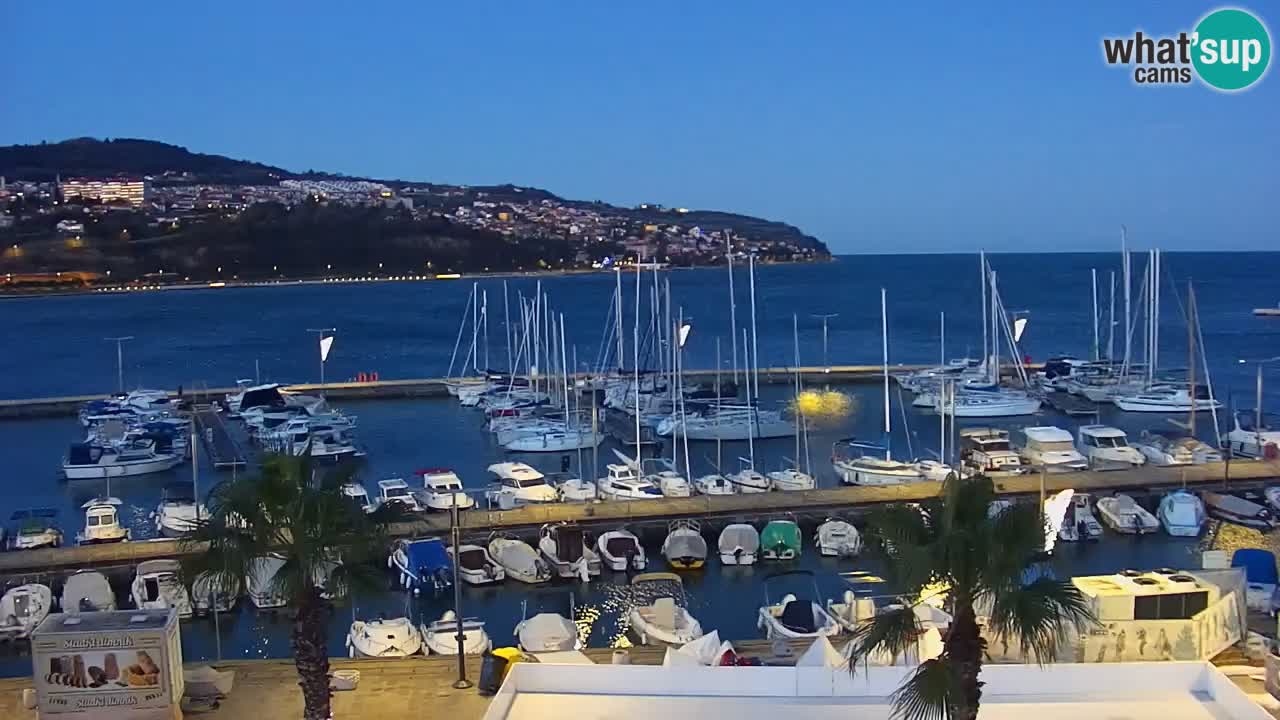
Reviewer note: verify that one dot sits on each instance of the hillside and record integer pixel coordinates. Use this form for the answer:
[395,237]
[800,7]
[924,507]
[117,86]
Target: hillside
[127,156]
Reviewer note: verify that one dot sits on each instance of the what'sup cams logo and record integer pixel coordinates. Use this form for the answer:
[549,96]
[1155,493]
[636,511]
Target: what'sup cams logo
[1229,50]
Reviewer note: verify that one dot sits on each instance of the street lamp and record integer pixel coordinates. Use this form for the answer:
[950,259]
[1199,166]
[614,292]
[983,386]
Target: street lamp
[455,534]
[120,341]
[325,344]
[1257,408]
[824,319]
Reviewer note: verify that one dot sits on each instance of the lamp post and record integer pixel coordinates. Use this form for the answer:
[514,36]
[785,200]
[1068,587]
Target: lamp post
[324,349]
[455,534]
[1257,407]
[824,318]
[119,341]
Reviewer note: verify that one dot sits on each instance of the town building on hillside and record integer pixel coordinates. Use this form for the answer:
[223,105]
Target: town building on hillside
[135,191]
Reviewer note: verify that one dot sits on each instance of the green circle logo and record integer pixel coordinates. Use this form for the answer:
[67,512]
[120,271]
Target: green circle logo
[1232,49]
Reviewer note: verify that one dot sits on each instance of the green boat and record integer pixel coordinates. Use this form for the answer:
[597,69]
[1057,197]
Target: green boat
[780,540]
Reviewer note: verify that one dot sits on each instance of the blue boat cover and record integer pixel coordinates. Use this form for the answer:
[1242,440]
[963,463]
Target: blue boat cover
[1259,565]
[428,556]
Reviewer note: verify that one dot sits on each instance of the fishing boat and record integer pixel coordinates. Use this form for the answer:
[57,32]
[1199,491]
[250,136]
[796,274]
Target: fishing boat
[1253,435]
[396,490]
[621,550]
[567,550]
[32,529]
[1105,446]
[1238,510]
[22,609]
[1181,513]
[422,564]
[739,544]
[1164,448]
[518,560]
[713,484]
[661,610]
[792,617]
[442,490]
[621,482]
[358,496]
[209,594]
[547,631]
[158,586]
[260,585]
[837,538]
[91,462]
[1167,399]
[522,483]
[441,636]
[475,565]
[178,511]
[780,540]
[858,463]
[987,450]
[1051,448]
[791,479]
[87,591]
[102,522]
[684,548]
[383,638]
[1122,514]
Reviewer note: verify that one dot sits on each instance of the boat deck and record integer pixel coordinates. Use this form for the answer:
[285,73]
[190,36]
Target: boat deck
[222,448]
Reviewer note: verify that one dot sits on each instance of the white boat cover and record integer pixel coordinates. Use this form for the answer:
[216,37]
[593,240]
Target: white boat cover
[514,555]
[737,536]
[90,589]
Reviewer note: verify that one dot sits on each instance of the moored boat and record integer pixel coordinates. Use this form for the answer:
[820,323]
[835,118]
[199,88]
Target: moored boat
[739,544]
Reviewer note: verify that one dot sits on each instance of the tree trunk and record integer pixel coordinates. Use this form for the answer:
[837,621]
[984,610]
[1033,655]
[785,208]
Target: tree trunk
[311,654]
[965,647]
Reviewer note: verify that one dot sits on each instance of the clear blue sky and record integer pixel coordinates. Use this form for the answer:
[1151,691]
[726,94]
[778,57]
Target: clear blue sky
[878,127]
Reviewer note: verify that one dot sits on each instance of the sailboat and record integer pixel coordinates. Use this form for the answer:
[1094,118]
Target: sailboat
[793,478]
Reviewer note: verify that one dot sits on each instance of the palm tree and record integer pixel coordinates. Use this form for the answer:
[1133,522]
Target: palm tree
[983,561]
[330,548]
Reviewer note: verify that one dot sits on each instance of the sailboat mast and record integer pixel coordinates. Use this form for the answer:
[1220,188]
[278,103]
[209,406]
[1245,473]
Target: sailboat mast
[484,318]
[995,337]
[1128,285]
[635,359]
[884,362]
[1111,321]
[755,347]
[1093,275]
[733,303]
[751,430]
[1191,357]
[942,339]
[719,461]
[617,321]
[982,283]
[684,430]
[795,341]
[475,325]
[506,326]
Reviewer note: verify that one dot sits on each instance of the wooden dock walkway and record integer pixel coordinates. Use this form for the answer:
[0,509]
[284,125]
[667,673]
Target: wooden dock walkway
[221,447]
[813,503]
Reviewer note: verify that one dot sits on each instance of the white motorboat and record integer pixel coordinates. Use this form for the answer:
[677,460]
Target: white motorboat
[1104,446]
[358,496]
[572,489]
[91,462]
[575,438]
[1079,523]
[1181,513]
[837,538]
[1051,448]
[260,585]
[1166,399]
[441,636]
[728,423]
[158,586]
[739,544]
[791,617]
[670,483]
[548,631]
[522,483]
[1164,449]
[102,522]
[856,465]
[988,451]
[1253,435]
[422,564]
[791,479]
[1239,511]
[622,483]
[684,547]
[178,512]
[747,480]
[384,638]
[396,490]
[621,550]
[1273,497]
[208,594]
[476,566]
[518,560]
[22,609]
[1121,513]
[87,591]
[938,471]
[713,484]
[443,490]
[660,612]
[567,549]
[999,403]
[32,529]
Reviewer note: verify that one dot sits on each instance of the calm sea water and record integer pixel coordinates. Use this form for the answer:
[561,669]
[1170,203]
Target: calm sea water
[408,329]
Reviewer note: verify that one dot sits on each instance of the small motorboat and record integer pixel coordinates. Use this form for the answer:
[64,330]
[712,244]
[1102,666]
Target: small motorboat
[739,544]
[1238,510]
[476,566]
[87,591]
[1163,449]
[33,529]
[684,548]
[102,522]
[209,595]
[358,496]
[522,484]
[1273,496]
[88,461]
[1121,513]
[422,564]
[1253,434]
[1181,513]
[1050,448]
[837,538]
[396,490]
[547,631]
[178,511]
[661,611]
[567,549]
[22,609]
[441,636]
[442,490]
[621,550]
[791,617]
[622,483]
[1108,447]
[791,479]
[383,638]
[520,561]
[158,586]
[713,484]
[1079,523]
[780,540]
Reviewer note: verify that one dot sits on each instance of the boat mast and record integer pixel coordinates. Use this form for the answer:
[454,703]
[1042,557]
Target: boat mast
[635,351]
[733,303]
[751,429]
[755,347]
[1208,379]
[719,449]
[1111,321]
[1128,283]
[484,317]
[795,341]
[982,283]
[1093,275]
[684,429]
[617,321]
[1191,357]
[475,325]
[884,360]
[942,339]
[506,326]
[995,338]
[462,326]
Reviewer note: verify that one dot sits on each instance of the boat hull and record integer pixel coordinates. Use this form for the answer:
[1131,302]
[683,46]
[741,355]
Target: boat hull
[116,470]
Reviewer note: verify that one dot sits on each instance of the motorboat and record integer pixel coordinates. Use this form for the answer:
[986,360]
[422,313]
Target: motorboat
[1051,448]
[443,490]
[1121,513]
[837,538]
[522,484]
[210,594]
[856,464]
[938,471]
[102,522]
[791,617]
[1273,497]
[853,612]
[567,549]
[178,512]
[1105,446]
[739,544]
[572,489]
[670,482]
[997,403]
[791,479]
[747,480]
[87,591]
[1055,509]
[621,550]
[396,490]
[476,566]
[729,422]
[1167,399]
[684,547]
[660,612]
[22,609]
[713,484]
[91,462]
[621,482]
[987,450]
[781,540]
[260,584]
[1238,510]
[384,638]
[157,585]
[518,560]
[422,564]
[32,529]
[1253,435]
[441,636]
[1181,513]
[1164,449]
[358,496]
[548,631]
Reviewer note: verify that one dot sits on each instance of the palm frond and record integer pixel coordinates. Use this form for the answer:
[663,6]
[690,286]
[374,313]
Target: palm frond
[1011,540]
[929,694]
[893,631]
[905,535]
[1039,615]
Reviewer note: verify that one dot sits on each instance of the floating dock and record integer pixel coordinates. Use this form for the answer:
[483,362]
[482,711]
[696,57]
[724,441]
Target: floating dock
[220,446]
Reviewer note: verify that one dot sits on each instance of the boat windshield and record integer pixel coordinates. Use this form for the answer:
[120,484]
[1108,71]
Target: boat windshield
[1109,442]
[396,492]
[1248,422]
[529,482]
[994,445]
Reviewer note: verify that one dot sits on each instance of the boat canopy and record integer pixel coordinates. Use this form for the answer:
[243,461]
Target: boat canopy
[1259,565]
[149,567]
[781,533]
[738,536]
[427,555]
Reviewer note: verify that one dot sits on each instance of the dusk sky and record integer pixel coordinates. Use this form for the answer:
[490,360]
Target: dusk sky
[877,127]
